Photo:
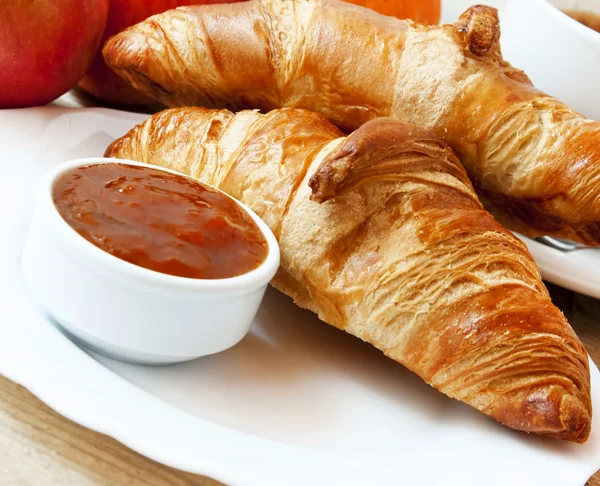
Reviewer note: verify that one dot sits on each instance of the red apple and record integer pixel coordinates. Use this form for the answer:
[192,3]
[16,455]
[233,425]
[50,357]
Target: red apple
[46,46]
[99,80]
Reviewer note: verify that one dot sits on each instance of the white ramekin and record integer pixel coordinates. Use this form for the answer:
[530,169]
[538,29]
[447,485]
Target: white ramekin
[128,312]
[560,55]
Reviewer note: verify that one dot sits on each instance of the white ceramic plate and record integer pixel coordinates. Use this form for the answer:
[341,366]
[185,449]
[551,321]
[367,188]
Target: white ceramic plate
[296,402]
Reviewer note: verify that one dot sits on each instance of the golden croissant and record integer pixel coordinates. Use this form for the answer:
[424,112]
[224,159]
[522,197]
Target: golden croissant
[534,162]
[383,236]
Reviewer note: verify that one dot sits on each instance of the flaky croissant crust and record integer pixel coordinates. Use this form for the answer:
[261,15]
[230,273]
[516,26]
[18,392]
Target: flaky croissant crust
[534,162]
[382,235]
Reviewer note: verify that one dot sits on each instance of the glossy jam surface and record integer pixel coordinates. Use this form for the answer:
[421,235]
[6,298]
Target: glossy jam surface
[160,221]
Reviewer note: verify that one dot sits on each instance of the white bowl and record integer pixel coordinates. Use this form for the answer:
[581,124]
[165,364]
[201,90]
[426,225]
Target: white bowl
[128,312]
[560,55]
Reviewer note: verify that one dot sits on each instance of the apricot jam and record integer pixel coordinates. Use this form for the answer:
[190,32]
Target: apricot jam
[161,221]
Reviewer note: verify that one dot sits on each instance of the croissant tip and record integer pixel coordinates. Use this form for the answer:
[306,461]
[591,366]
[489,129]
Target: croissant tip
[111,45]
[113,148]
[319,194]
[577,421]
[563,416]
[481,25]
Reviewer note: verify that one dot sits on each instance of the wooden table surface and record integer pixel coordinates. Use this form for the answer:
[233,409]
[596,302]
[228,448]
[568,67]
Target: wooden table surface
[39,447]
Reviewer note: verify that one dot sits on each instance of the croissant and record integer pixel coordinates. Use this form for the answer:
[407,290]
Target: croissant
[382,235]
[534,162]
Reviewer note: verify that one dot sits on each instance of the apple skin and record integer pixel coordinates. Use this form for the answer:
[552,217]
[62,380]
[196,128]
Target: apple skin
[100,81]
[46,46]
